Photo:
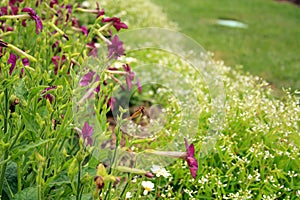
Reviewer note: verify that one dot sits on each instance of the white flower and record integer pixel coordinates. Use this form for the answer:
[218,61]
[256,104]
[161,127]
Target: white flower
[160,171]
[85,4]
[148,186]
[128,195]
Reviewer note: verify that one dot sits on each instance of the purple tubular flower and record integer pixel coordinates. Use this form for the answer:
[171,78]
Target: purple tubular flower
[12,2]
[88,78]
[53,2]
[138,83]
[111,103]
[13,10]
[115,48]
[129,76]
[69,8]
[12,60]
[1,54]
[93,51]
[56,60]
[116,23]
[3,44]
[25,61]
[87,132]
[100,12]
[36,18]
[48,96]
[190,158]
[84,30]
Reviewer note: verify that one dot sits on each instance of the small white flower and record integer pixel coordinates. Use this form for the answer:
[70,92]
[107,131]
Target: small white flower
[134,179]
[148,186]
[160,171]
[85,4]
[128,195]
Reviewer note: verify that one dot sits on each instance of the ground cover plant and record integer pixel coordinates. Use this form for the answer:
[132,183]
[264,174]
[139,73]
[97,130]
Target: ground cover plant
[91,111]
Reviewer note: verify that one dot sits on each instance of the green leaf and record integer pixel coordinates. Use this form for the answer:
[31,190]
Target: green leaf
[30,121]
[28,194]
[23,149]
[21,90]
[11,180]
[84,197]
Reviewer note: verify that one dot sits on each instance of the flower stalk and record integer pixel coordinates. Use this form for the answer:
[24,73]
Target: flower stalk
[20,52]
[21,17]
[5,129]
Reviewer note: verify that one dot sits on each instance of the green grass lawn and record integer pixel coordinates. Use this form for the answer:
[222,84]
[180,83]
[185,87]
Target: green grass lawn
[269,47]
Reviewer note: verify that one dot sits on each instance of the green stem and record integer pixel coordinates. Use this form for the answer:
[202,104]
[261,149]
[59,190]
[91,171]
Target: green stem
[107,196]
[3,168]
[19,176]
[125,187]
[78,182]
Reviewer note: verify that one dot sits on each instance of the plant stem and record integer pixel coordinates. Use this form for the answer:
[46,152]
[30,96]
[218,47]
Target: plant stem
[3,168]
[78,182]
[126,185]
[19,176]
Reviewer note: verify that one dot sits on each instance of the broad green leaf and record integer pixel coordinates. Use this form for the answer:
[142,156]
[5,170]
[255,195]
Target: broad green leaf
[27,147]
[30,121]
[28,194]
[11,180]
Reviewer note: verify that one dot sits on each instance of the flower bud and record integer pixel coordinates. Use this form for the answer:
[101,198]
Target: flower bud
[99,182]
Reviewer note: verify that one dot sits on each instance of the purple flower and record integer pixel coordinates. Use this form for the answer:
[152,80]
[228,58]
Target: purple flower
[111,102]
[12,2]
[138,83]
[36,18]
[190,158]
[115,48]
[46,95]
[88,78]
[25,61]
[87,132]
[84,30]
[12,60]
[93,51]
[69,8]
[53,2]
[100,12]
[116,23]
[13,10]
[1,54]
[76,24]
[3,44]
[56,60]
[129,76]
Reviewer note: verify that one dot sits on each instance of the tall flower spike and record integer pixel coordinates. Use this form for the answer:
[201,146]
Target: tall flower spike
[116,23]
[190,158]
[36,18]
